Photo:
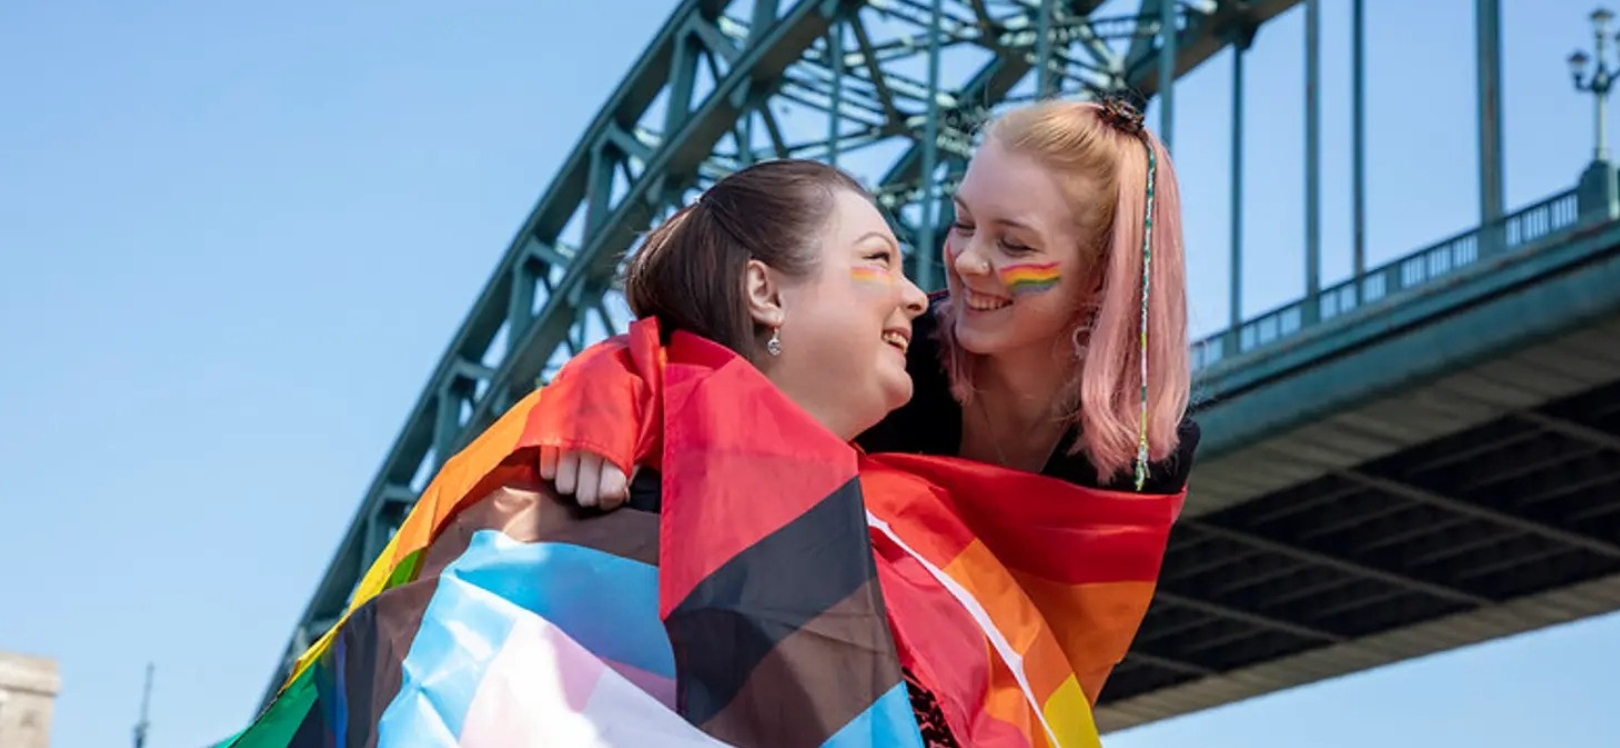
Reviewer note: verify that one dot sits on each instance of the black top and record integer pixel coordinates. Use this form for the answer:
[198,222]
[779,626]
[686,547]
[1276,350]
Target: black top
[931,424]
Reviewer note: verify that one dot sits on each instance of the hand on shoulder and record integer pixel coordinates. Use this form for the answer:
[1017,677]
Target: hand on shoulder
[586,476]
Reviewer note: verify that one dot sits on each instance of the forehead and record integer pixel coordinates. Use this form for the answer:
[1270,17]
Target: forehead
[1001,184]
[853,216]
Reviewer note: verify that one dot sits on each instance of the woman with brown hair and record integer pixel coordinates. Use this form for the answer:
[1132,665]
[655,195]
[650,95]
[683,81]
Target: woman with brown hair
[774,324]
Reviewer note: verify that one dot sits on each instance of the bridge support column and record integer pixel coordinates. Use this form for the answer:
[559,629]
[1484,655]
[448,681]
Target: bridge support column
[1599,193]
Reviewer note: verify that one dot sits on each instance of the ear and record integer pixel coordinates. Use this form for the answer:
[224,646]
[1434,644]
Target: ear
[763,293]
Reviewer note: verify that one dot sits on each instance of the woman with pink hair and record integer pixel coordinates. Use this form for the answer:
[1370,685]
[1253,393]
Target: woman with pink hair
[1061,345]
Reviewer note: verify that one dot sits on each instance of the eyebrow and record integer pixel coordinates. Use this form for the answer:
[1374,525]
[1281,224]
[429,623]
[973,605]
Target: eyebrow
[878,235]
[1003,221]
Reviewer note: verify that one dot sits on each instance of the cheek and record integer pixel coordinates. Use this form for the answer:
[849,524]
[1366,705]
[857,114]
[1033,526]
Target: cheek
[871,284]
[838,318]
[1042,317]
[876,296]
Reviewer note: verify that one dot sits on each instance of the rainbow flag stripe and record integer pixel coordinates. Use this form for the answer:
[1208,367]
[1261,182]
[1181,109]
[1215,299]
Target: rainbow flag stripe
[807,583]
[1030,277]
[1051,583]
[866,274]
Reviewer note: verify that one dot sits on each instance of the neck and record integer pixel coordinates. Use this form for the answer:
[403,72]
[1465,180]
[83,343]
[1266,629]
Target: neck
[1021,388]
[840,427]
[831,415]
[1012,421]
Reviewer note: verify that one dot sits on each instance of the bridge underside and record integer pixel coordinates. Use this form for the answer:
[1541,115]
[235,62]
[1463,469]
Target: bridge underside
[1386,514]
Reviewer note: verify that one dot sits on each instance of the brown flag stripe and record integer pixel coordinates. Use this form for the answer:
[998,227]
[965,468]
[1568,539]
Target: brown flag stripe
[789,639]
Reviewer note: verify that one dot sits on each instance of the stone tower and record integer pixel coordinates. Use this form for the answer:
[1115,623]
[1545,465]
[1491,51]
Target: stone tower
[28,687]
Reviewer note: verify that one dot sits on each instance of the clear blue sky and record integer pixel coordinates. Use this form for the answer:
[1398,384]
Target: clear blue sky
[234,239]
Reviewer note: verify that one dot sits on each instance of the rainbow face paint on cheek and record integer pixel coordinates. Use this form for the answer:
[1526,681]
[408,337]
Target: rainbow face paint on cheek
[871,276]
[1030,278]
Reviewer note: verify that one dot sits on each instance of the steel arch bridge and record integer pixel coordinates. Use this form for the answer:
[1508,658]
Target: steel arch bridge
[892,90]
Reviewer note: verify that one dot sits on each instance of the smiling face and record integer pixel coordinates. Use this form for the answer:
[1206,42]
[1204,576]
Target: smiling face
[1021,257]
[844,329]
[1048,265]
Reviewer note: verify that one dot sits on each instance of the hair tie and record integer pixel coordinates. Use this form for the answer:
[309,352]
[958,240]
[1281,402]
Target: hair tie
[1120,115]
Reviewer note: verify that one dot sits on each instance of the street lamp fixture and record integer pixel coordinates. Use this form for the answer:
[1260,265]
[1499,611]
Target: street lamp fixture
[1601,80]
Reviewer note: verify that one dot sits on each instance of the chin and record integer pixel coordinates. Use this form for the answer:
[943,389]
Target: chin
[977,340]
[898,393]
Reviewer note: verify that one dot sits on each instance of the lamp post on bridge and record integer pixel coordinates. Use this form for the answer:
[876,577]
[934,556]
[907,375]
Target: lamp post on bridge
[1602,79]
[1599,192]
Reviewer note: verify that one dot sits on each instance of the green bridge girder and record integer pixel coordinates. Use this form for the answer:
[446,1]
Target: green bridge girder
[711,92]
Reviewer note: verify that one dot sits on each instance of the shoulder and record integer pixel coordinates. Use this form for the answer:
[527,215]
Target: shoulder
[1170,474]
[931,421]
[924,357]
[1174,470]
[1189,435]
[1166,476]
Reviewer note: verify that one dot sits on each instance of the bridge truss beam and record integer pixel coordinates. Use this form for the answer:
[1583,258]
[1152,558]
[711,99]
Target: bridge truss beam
[892,90]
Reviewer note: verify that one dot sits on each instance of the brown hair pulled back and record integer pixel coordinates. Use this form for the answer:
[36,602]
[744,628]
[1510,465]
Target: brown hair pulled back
[689,273]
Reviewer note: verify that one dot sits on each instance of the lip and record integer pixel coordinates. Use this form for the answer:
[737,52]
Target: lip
[978,301]
[903,333]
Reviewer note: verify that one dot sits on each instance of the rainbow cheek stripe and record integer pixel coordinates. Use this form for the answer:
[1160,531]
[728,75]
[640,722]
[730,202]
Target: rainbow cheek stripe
[1030,278]
[871,275]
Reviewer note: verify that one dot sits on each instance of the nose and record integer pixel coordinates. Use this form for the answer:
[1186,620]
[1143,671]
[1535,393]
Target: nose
[912,299]
[966,260]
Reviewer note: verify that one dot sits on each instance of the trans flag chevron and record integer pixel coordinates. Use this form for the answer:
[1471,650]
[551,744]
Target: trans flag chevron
[782,590]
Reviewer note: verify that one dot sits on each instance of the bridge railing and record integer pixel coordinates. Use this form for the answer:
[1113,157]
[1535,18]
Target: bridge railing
[1550,217]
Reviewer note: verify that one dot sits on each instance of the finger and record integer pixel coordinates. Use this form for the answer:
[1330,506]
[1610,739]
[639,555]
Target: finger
[567,472]
[548,463]
[615,488]
[590,479]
